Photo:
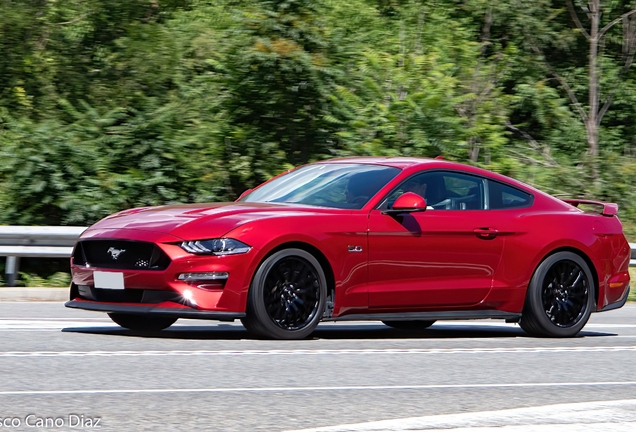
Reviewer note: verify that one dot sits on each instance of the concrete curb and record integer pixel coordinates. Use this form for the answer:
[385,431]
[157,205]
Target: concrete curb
[21,294]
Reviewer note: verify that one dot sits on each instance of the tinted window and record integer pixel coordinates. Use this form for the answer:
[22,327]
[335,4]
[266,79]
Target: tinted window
[506,197]
[443,191]
[346,186]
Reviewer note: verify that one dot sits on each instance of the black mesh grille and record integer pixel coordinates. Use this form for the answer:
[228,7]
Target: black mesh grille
[127,295]
[120,254]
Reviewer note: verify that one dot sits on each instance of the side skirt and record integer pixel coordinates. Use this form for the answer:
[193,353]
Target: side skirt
[430,316]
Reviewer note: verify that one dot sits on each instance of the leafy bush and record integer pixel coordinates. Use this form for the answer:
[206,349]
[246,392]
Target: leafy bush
[59,279]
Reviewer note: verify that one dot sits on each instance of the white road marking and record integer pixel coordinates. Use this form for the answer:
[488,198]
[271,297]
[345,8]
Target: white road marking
[609,325]
[500,323]
[600,416]
[60,323]
[94,318]
[322,388]
[6,324]
[315,352]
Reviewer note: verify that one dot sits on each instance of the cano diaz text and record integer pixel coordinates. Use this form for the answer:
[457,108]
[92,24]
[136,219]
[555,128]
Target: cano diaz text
[79,421]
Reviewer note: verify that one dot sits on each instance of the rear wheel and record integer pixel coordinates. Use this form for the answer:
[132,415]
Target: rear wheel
[414,325]
[142,322]
[287,297]
[560,297]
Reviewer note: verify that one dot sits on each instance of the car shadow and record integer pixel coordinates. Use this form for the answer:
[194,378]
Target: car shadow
[330,332]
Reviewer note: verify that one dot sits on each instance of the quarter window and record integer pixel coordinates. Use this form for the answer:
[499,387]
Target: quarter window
[506,197]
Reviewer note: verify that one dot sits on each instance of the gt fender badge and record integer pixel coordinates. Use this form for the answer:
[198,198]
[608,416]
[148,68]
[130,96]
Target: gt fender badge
[114,253]
[354,248]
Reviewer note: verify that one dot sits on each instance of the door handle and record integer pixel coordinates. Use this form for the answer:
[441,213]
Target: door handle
[486,233]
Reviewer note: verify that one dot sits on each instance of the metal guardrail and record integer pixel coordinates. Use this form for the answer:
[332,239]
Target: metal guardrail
[35,241]
[58,242]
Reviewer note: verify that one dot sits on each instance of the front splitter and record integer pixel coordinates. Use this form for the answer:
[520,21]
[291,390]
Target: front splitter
[154,311]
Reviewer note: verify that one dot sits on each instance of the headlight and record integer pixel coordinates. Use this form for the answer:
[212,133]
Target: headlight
[222,246]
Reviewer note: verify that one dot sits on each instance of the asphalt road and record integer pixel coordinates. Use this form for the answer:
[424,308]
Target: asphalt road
[75,367]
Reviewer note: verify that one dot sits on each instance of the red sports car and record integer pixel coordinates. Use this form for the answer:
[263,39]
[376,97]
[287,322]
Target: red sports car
[405,241]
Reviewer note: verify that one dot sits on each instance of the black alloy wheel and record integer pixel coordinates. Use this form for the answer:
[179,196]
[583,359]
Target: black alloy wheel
[142,322]
[287,297]
[292,291]
[565,293]
[560,297]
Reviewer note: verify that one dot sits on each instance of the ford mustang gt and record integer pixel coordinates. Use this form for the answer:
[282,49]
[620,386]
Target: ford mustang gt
[405,241]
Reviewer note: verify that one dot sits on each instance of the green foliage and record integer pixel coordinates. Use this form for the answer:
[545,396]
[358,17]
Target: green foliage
[59,279]
[73,173]
[107,105]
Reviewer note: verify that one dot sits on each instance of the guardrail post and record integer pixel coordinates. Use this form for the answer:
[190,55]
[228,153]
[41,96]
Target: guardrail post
[11,270]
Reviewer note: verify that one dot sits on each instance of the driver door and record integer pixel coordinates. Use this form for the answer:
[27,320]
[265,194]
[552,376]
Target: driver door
[444,256]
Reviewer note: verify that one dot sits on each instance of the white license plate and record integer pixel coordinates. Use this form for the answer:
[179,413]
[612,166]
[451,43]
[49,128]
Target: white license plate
[108,280]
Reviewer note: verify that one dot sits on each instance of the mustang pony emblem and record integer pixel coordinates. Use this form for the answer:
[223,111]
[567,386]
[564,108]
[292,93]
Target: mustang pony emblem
[115,252]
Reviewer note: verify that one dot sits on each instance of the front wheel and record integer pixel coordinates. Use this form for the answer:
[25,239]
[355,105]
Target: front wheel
[560,297]
[142,322]
[287,297]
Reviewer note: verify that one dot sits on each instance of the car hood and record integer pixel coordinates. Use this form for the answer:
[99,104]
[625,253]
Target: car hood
[196,221]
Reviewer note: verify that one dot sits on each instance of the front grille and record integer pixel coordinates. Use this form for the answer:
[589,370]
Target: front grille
[120,254]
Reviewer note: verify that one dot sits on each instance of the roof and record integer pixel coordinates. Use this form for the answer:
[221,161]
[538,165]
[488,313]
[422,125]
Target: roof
[405,163]
[397,162]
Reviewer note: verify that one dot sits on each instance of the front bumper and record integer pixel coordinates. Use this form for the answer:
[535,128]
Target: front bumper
[154,310]
[149,287]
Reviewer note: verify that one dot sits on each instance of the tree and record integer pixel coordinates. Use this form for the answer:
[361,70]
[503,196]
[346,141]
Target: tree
[599,63]
[427,89]
[278,78]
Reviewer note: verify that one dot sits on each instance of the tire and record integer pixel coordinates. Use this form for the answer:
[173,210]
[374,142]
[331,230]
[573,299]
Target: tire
[414,325]
[142,322]
[287,297]
[560,297]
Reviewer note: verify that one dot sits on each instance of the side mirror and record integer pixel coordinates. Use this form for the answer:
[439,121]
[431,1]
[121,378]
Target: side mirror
[408,202]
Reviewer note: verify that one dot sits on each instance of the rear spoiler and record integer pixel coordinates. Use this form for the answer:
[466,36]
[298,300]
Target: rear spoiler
[609,209]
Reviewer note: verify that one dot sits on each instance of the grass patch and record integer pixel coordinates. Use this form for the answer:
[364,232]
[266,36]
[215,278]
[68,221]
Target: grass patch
[632,292]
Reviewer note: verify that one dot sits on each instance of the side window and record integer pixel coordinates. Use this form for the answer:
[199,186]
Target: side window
[417,184]
[502,196]
[460,192]
[443,191]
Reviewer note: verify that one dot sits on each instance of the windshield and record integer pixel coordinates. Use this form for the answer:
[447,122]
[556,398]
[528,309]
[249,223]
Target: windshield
[344,186]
